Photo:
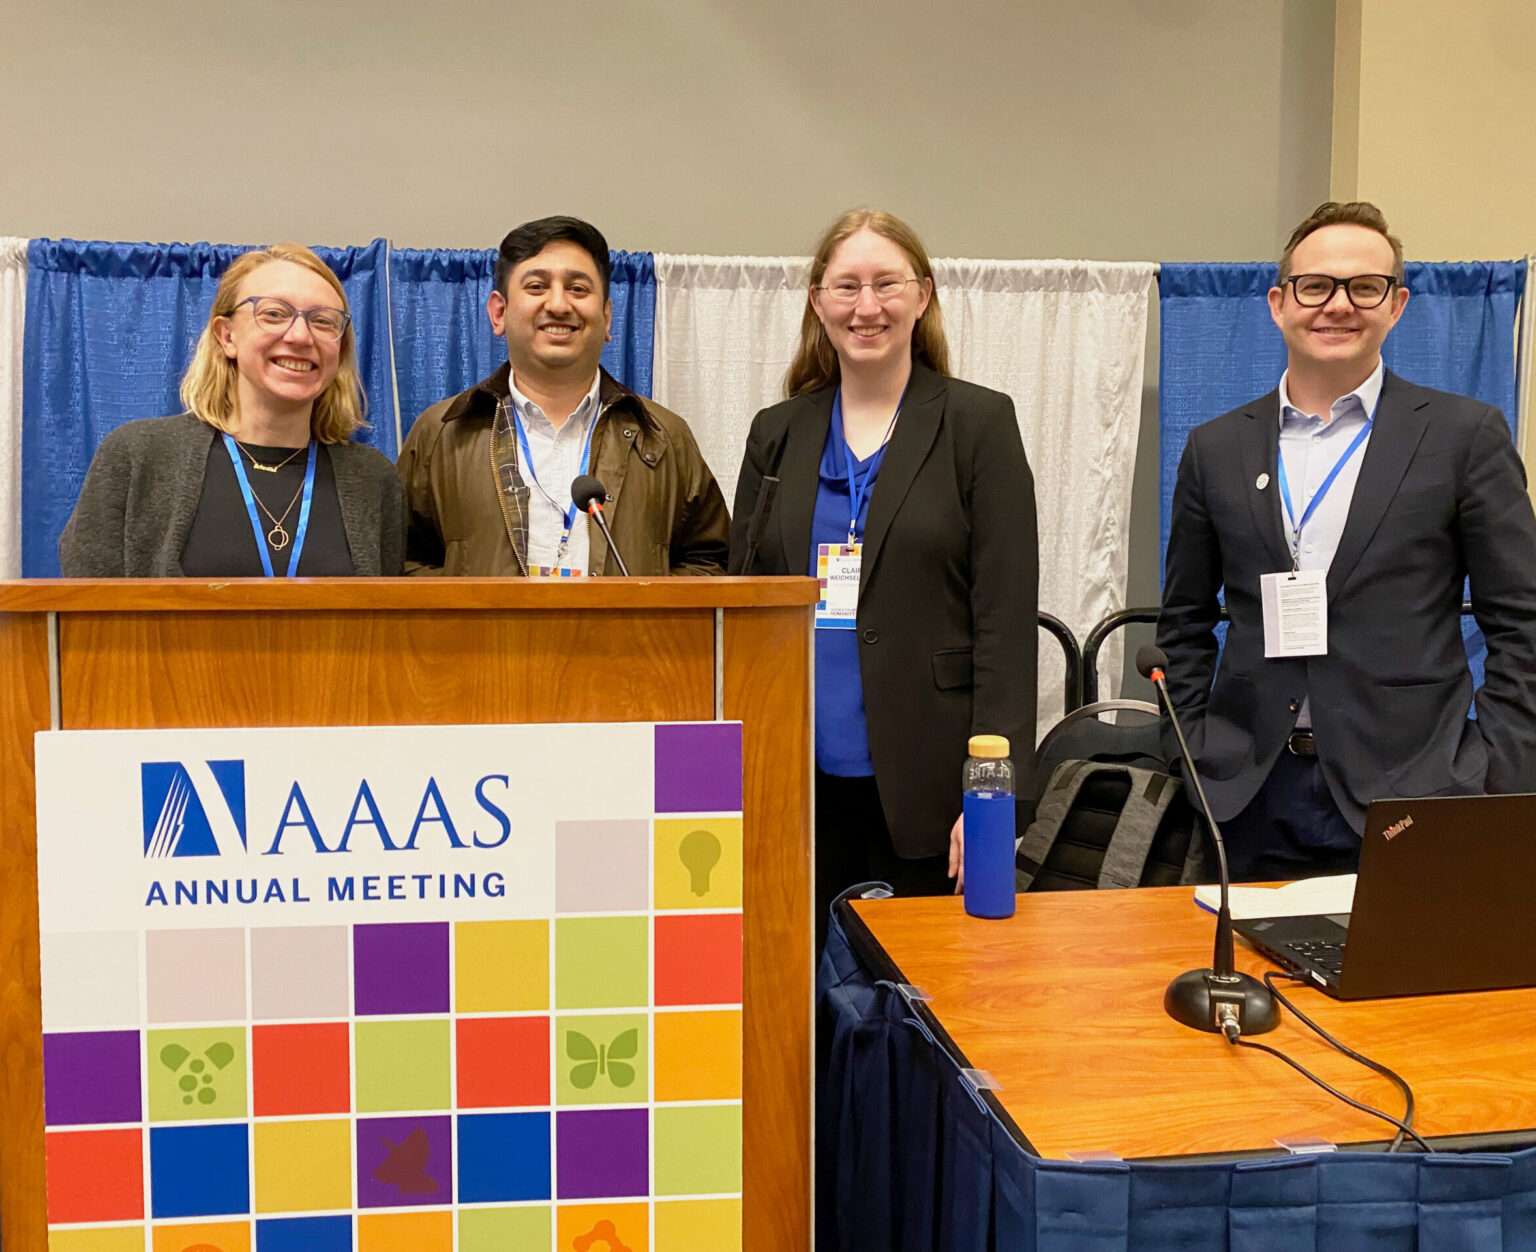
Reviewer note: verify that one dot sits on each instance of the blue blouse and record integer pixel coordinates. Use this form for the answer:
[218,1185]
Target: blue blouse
[842,738]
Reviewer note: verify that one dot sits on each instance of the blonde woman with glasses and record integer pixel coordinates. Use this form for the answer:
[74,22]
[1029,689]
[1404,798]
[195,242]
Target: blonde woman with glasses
[909,492]
[260,476]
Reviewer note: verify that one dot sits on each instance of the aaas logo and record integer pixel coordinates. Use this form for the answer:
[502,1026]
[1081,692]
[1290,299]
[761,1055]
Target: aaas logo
[193,809]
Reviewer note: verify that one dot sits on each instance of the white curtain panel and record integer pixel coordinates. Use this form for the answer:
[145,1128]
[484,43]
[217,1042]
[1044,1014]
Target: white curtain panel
[1067,341]
[13,316]
[726,329]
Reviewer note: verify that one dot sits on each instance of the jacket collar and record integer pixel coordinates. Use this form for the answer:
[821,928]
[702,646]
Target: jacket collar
[911,442]
[800,469]
[1401,420]
[482,400]
[1259,441]
[1400,424]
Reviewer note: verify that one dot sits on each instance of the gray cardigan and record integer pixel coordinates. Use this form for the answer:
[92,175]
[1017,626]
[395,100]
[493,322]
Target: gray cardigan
[141,492]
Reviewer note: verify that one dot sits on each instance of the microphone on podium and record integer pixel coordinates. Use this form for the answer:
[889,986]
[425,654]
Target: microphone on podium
[588,494]
[1218,999]
[767,493]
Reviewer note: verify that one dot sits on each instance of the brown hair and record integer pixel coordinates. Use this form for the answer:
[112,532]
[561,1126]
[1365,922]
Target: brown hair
[209,387]
[1332,213]
[815,364]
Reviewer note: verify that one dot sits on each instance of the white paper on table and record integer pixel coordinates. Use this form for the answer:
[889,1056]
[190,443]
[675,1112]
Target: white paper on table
[1307,897]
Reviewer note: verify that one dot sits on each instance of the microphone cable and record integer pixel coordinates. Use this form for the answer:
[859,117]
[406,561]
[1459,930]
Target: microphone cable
[1404,1127]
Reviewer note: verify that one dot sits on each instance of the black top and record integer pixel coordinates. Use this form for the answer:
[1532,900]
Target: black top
[221,543]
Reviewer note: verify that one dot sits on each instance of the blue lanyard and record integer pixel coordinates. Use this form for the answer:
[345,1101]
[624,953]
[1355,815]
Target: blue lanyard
[858,487]
[569,513]
[1285,488]
[250,509]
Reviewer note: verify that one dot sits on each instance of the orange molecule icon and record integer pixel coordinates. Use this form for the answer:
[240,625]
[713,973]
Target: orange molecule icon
[603,1231]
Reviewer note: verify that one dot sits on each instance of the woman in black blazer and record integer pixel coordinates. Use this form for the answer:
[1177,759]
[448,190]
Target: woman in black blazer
[878,447]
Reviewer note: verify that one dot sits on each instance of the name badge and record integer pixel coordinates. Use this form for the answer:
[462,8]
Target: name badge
[837,570]
[1295,613]
[554,571]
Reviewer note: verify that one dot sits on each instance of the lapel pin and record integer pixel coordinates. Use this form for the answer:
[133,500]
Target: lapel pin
[1261,481]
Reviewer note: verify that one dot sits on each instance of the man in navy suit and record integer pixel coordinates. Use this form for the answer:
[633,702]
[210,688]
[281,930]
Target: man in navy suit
[1342,513]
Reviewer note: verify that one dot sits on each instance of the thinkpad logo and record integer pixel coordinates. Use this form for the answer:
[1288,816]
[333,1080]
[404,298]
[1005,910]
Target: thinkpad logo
[1397,828]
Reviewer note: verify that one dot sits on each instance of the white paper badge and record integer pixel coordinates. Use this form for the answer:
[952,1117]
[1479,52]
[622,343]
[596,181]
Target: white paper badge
[1295,613]
[837,570]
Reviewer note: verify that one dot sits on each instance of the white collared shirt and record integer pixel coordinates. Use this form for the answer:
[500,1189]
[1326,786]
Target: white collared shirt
[1311,447]
[556,458]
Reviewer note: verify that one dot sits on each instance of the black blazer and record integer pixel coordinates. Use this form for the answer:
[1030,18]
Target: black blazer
[1441,495]
[947,590]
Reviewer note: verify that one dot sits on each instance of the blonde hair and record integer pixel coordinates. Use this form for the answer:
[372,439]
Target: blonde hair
[815,364]
[209,388]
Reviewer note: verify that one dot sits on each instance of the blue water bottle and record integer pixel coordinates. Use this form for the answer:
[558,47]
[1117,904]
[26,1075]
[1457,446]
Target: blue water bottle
[989,828]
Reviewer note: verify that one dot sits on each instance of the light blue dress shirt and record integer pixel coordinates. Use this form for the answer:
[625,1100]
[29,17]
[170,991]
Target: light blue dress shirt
[1310,446]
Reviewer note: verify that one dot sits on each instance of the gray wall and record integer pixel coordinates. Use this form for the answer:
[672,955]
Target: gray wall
[1105,129]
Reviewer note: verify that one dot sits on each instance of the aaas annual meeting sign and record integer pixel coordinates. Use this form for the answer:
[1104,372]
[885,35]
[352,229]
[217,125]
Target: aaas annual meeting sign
[426,988]
[215,827]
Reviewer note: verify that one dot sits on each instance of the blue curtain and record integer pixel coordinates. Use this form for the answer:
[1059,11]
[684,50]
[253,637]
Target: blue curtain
[443,340]
[110,329]
[1219,348]
[909,1158]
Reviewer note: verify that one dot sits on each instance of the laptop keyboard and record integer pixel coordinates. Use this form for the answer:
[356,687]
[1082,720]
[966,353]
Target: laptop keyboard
[1322,953]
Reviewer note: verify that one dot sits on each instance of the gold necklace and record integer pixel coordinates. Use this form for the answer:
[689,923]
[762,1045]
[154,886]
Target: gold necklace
[277,536]
[262,465]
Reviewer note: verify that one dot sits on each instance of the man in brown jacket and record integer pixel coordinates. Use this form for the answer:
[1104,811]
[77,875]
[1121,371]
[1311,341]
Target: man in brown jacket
[488,472]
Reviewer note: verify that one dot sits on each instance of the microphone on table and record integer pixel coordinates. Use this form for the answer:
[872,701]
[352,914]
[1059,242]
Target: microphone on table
[1218,999]
[587,494]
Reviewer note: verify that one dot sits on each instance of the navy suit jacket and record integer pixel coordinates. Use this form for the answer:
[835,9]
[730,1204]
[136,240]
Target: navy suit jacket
[947,588]
[1441,495]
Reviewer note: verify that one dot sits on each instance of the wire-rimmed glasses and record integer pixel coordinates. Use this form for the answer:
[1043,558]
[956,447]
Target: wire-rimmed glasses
[276,316]
[886,287]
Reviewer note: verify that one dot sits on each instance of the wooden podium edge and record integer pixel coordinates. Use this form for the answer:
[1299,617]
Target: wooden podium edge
[764,640]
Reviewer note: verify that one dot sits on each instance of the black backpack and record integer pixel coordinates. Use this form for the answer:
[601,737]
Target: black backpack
[1104,824]
[1110,815]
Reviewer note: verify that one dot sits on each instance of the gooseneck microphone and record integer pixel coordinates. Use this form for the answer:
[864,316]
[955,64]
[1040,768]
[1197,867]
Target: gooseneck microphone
[1219,999]
[767,493]
[587,494]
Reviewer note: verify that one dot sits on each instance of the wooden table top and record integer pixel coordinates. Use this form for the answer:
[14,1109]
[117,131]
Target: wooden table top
[1062,1005]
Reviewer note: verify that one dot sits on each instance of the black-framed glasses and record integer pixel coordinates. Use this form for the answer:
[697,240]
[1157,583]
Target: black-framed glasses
[1365,291]
[886,287]
[277,316]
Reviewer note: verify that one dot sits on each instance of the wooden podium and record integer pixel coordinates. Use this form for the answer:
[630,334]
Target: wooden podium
[166,653]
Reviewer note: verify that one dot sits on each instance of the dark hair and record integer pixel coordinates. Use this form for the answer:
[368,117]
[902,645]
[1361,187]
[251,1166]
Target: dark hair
[531,238]
[1355,213]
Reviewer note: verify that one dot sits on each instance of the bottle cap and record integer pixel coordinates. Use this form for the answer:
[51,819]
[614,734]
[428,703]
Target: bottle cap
[990,747]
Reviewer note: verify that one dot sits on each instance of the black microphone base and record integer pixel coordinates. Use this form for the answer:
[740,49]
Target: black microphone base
[1196,998]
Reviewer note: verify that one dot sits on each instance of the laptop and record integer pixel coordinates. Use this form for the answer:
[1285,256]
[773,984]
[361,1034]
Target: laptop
[1445,901]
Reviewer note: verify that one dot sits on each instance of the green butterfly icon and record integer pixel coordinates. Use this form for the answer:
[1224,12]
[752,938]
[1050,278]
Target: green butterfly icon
[611,1059]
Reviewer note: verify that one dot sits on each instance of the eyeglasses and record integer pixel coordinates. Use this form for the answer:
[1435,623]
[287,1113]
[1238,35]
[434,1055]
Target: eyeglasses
[277,317]
[1365,291]
[886,287]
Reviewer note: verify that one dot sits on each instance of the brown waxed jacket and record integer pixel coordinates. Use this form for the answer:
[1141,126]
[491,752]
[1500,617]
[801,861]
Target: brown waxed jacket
[664,507]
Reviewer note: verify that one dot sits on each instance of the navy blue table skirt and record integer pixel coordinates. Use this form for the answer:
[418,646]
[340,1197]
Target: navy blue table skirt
[909,1158]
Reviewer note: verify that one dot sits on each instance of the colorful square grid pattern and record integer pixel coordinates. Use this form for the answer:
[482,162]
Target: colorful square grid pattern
[539,1082]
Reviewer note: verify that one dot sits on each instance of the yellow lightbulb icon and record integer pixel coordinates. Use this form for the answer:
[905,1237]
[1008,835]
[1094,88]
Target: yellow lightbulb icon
[700,853]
